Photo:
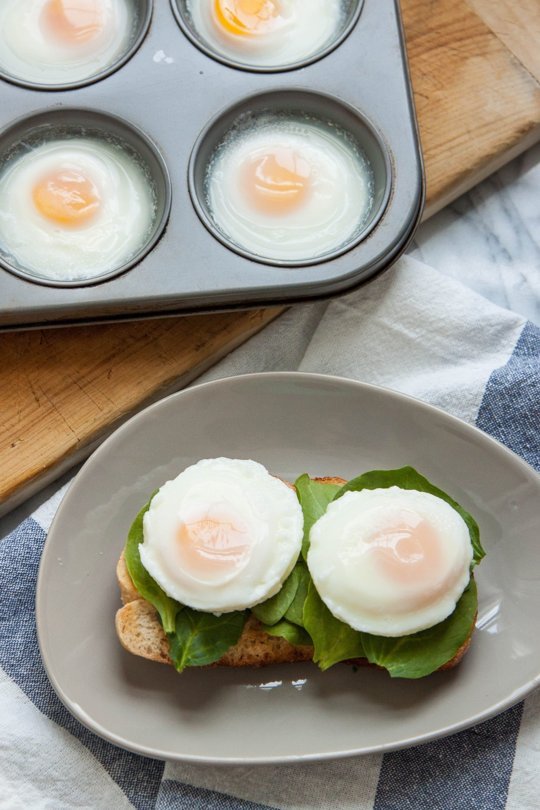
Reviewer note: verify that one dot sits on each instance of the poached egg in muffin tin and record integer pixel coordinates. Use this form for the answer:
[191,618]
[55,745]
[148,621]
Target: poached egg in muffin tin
[53,42]
[74,208]
[390,562]
[267,33]
[222,536]
[287,187]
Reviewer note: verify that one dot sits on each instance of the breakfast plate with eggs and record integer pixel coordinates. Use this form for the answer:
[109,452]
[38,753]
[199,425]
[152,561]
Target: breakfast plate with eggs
[408,542]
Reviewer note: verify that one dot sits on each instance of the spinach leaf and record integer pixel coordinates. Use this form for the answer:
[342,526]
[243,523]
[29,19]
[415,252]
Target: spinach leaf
[202,638]
[275,608]
[147,587]
[333,640]
[288,603]
[422,653]
[409,478]
[314,497]
[290,632]
[295,612]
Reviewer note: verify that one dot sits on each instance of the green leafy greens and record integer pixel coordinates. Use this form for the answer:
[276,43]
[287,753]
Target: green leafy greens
[314,497]
[273,609]
[290,632]
[333,641]
[144,583]
[202,638]
[283,614]
[295,613]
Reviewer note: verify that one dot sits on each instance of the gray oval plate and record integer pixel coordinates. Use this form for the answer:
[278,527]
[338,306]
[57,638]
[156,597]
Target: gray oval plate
[292,423]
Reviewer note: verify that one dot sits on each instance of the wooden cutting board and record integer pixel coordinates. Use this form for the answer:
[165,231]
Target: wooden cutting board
[475,68]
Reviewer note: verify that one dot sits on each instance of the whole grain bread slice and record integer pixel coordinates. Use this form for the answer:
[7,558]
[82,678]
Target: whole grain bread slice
[140,631]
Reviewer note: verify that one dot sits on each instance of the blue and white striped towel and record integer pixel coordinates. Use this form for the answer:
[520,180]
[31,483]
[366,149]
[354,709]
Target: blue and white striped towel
[413,330]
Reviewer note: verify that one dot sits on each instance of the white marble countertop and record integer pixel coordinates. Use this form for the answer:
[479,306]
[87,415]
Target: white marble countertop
[489,240]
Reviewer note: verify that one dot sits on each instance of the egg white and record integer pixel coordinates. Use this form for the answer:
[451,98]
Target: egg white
[244,493]
[358,591]
[341,195]
[118,231]
[308,27]
[27,54]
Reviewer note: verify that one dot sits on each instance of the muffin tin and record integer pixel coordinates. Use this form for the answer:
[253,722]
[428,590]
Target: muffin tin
[171,99]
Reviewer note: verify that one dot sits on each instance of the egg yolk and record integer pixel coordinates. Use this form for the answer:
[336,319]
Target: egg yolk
[211,547]
[408,552]
[246,18]
[71,22]
[66,197]
[277,182]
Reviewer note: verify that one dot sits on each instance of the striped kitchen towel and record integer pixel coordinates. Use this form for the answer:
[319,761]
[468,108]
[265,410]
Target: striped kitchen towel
[413,330]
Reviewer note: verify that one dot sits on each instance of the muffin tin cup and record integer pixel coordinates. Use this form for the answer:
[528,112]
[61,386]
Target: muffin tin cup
[297,103]
[48,126]
[142,16]
[171,90]
[183,18]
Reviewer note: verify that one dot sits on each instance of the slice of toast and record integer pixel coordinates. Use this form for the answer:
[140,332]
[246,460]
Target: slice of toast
[140,631]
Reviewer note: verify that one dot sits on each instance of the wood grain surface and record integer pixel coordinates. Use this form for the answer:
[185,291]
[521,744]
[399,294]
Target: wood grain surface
[509,20]
[474,68]
[477,105]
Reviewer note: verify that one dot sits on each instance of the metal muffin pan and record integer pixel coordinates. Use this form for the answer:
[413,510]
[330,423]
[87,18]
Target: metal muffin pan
[167,93]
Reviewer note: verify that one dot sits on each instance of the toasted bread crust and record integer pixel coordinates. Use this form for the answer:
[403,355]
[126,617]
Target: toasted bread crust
[128,591]
[140,631]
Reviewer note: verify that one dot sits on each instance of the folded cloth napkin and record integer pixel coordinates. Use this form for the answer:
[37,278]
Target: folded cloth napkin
[413,330]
